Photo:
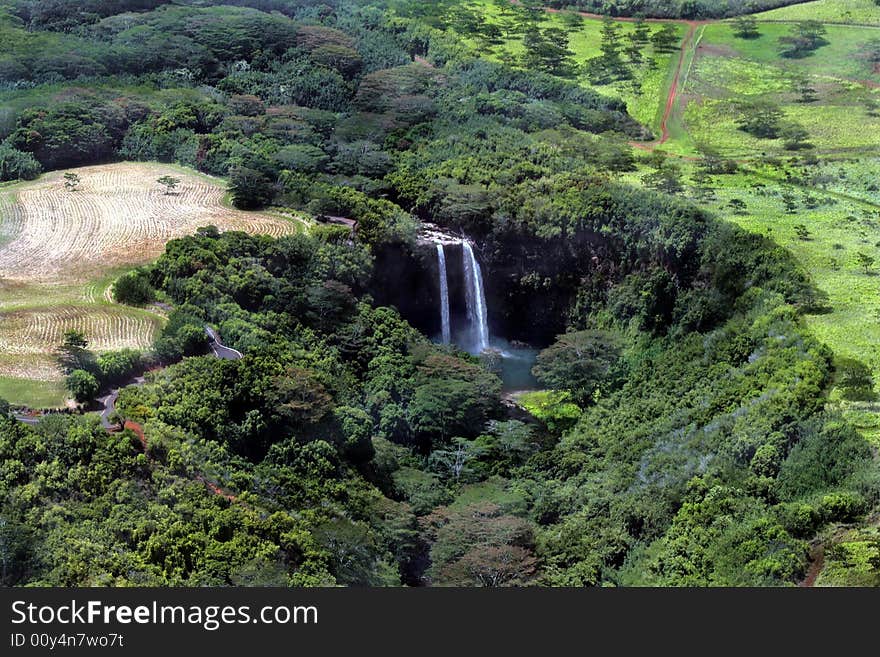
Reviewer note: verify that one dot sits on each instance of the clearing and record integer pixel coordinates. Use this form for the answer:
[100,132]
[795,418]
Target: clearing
[61,250]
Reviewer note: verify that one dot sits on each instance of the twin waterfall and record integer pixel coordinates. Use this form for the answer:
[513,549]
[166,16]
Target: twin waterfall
[475,297]
[444,295]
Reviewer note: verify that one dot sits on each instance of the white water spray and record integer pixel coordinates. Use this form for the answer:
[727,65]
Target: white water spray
[475,298]
[444,295]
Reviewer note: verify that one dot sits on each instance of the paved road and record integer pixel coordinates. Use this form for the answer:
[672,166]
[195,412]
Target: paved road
[218,349]
[109,404]
[108,401]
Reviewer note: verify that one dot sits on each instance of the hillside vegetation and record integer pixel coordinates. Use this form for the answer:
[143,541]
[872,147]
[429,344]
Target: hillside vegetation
[707,411]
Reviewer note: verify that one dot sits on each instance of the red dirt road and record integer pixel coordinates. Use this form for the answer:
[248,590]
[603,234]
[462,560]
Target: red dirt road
[817,561]
[673,88]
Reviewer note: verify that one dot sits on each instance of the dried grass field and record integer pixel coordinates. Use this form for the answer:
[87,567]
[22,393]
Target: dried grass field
[61,250]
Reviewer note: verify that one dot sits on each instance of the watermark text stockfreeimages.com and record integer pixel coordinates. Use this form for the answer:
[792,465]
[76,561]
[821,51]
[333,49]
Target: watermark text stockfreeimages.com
[209,617]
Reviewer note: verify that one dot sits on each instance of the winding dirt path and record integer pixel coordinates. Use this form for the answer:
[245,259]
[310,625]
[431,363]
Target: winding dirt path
[817,561]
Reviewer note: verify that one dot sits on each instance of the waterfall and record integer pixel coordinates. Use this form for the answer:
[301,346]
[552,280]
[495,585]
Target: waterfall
[444,295]
[475,298]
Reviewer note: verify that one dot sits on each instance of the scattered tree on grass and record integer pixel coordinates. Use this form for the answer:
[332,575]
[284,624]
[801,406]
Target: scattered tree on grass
[855,378]
[665,39]
[804,86]
[810,202]
[547,50]
[71,181]
[703,189]
[170,183]
[746,27]
[737,205]
[865,261]
[802,232]
[789,201]
[528,15]
[711,161]
[870,52]
[82,385]
[805,38]
[465,21]
[73,353]
[760,119]
[74,338]
[795,137]
[666,179]
[572,20]
[641,33]
[609,66]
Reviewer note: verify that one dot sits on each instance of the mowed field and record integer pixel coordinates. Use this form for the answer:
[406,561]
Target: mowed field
[61,250]
[855,12]
[728,70]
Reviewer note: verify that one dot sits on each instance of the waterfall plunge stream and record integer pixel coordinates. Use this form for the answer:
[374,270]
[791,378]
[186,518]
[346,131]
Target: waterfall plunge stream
[474,293]
[444,295]
[475,298]
[515,363]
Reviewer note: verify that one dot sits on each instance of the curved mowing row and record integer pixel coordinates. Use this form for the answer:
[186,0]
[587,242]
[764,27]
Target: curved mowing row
[39,331]
[118,216]
[60,248]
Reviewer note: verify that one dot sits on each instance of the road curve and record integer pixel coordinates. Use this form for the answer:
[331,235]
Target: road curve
[109,404]
[27,419]
[218,349]
[108,401]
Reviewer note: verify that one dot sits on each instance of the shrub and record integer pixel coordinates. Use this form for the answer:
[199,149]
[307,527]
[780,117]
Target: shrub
[17,165]
[842,506]
[134,289]
[82,385]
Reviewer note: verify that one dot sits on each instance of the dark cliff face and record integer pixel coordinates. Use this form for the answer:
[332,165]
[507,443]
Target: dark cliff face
[528,298]
[407,280]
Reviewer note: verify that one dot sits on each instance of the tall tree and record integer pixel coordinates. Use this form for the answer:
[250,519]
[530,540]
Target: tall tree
[665,39]
[579,362]
[746,27]
[865,261]
[805,37]
[547,51]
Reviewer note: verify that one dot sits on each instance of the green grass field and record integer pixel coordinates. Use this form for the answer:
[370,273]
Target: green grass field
[729,70]
[858,12]
[36,394]
[645,105]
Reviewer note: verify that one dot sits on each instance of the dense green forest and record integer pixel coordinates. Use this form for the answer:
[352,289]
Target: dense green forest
[683,439]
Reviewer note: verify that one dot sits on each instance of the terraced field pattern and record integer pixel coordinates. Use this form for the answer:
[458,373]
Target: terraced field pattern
[61,250]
